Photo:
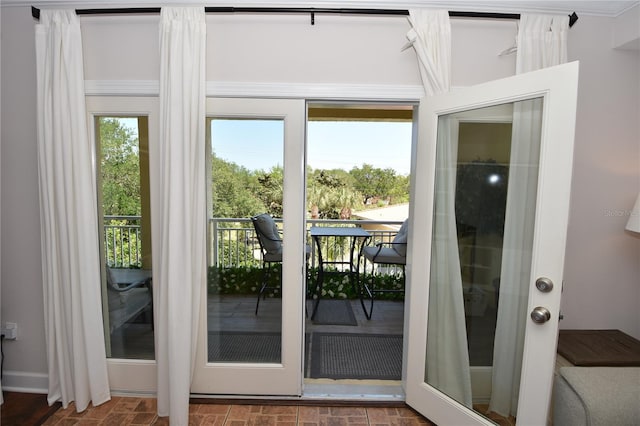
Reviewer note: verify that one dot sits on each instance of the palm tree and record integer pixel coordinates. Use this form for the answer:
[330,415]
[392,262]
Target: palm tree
[347,199]
[317,199]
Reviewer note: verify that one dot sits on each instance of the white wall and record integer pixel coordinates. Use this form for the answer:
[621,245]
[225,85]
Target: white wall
[21,273]
[602,275]
[602,279]
[287,49]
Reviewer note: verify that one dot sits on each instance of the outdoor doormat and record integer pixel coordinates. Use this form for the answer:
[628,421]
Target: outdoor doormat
[356,356]
[605,348]
[241,346]
[334,312]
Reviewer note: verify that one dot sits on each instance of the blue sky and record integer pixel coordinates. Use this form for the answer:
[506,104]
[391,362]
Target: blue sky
[257,144]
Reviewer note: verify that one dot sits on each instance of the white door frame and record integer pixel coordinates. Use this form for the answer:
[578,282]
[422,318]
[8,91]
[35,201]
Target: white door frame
[284,378]
[127,375]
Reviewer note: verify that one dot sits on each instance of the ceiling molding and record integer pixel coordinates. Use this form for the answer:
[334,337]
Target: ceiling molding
[612,8]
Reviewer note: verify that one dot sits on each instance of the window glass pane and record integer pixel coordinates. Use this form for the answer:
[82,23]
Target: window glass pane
[123,182]
[244,309]
[486,183]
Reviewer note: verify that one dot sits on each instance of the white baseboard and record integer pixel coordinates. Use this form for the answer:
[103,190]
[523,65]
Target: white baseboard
[20,381]
[481,384]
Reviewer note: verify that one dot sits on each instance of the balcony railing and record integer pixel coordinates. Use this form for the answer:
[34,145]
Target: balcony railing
[122,241]
[232,242]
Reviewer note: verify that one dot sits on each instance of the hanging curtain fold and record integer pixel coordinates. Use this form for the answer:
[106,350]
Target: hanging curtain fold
[179,206]
[448,367]
[447,362]
[542,42]
[76,357]
[430,36]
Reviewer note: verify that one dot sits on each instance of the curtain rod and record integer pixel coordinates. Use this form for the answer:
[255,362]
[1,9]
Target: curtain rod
[35,12]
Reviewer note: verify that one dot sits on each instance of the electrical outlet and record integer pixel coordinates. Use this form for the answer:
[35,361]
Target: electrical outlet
[10,331]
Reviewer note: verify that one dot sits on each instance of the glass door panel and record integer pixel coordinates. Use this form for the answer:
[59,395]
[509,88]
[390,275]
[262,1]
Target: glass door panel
[493,170]
[244,304]
[123,180]
[481,256]
[124,129]
[253,306]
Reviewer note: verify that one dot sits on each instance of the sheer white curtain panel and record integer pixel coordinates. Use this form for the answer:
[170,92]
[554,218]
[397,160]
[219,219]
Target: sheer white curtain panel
[447,363]
[542,42]
[447,354]
[179,206]
[76,356]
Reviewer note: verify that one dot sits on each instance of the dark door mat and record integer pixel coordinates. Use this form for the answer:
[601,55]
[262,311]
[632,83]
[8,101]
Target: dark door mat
[356,356]
[335,312]
[605,348]
[238,346]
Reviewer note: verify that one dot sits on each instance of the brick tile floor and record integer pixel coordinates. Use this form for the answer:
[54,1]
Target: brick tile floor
[142,411]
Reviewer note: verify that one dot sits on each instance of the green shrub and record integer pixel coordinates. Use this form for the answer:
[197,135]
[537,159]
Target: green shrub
[247,281]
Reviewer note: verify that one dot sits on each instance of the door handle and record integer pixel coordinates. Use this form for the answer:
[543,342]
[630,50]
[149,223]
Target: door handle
[544,284]
[540,315]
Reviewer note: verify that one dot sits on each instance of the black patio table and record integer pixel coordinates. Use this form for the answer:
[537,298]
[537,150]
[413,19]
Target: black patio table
[358,238]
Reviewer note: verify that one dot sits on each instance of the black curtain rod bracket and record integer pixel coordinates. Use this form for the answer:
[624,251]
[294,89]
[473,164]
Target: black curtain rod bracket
[35,12]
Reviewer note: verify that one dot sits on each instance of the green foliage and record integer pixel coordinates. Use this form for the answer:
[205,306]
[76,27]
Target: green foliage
[120,169]
[236,253]
[386,282]
[123,245]
[236,280]
[247,281]
[120,180]
[271,190]
[331,194]
[234,189]
[374,182]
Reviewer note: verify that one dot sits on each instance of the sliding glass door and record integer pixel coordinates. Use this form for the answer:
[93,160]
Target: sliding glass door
[252,324]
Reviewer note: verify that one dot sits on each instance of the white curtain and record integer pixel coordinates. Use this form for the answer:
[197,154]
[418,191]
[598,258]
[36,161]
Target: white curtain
[179,207]
[447,354]
[447,362]
[430,36]
[76,357]
[542,42]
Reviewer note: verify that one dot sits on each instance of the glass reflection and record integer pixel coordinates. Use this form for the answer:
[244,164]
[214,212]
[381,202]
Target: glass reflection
[245,180]
[484,208]
[123,174]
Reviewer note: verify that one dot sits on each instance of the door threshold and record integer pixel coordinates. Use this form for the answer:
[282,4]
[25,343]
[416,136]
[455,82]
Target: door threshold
[353,390]
[380,393]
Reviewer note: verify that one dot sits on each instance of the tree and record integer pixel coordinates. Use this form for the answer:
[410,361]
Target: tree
[317,199]
[373,182]
[271,190]
[234,189]
[120,169]
[399,192]
[120,184]
[346,200]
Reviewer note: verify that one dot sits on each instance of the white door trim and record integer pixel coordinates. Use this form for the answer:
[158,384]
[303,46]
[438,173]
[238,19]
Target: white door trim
[239,89]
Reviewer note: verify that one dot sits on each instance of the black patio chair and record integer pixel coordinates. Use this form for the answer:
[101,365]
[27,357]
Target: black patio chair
[384,253]
[271,250]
